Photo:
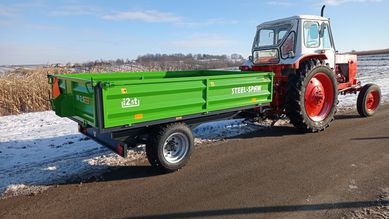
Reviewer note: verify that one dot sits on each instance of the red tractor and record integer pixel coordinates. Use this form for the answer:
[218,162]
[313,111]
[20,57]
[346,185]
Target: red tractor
[309,72]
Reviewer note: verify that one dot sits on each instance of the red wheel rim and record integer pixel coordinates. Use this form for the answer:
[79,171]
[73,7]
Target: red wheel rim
[319,97]
[372,101]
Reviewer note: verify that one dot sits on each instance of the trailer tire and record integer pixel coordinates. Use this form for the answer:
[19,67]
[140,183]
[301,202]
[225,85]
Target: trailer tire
[311,97]
[170,147]
[368,100]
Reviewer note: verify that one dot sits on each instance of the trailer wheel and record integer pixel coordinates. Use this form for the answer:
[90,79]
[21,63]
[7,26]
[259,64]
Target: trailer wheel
[170,147]
[368,100]
[311,97]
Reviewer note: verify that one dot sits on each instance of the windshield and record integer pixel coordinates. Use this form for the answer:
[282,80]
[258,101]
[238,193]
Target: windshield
[271,36]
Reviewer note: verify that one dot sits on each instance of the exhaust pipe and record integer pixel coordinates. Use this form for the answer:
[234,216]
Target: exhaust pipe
[322,10]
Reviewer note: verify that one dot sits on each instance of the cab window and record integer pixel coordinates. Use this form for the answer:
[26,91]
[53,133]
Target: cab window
[326,38]
[266,37]
[281,35]
[272,36]
[311,34]
[288,46]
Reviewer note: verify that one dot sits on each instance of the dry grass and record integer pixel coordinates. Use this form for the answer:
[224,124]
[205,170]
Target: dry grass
[24,91]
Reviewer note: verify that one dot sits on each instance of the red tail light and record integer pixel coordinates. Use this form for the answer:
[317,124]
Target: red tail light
[244,68]
[120,150]
[56,90]
[82,129]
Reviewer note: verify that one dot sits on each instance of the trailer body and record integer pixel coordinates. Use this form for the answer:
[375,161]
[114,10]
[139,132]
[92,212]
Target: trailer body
[125,100]
[119,109]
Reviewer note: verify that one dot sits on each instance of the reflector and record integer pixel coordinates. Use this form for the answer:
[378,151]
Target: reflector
[56,90]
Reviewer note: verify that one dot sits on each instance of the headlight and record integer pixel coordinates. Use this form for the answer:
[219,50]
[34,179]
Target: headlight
[269,56]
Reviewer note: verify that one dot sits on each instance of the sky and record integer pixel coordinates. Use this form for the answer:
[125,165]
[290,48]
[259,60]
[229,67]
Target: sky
[60,31]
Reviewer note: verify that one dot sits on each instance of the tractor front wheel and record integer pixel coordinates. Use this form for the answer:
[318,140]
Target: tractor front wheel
[311,97]
[368,100]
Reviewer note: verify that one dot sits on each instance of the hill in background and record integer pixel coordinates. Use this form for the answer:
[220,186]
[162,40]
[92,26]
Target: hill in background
[371,52]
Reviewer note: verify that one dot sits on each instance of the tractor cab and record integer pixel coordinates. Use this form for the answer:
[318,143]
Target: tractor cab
[287,41]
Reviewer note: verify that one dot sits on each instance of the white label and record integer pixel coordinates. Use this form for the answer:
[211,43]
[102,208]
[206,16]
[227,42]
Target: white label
[249,89]
[83,99]
[130,102]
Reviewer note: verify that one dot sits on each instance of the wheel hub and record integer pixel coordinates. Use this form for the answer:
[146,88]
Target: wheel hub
[319,96]
[175,148]
[171,146]
[372,101]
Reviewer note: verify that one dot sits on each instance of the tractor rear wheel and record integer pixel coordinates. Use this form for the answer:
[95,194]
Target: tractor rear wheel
[311,97]
[368,100]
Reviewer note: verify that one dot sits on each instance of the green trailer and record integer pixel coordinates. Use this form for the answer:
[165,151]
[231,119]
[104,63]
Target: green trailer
[159,109]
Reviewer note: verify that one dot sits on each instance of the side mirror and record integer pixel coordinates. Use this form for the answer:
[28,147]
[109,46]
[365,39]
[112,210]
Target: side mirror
[250,58]
[322,29]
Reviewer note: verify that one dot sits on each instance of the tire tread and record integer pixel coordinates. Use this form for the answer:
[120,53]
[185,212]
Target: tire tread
[294,93]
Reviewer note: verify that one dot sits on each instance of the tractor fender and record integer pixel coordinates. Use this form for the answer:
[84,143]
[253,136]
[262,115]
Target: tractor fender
[303,58]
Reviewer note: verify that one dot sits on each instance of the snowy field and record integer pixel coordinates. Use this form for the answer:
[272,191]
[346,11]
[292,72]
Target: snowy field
[5,69]
[371,69]
[40,149]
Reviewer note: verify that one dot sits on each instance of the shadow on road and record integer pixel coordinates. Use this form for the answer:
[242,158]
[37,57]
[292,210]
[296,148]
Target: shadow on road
[131,172]
[288,129]
[270,209]
[120,173]
[369,138]
[275,131]
[347,116]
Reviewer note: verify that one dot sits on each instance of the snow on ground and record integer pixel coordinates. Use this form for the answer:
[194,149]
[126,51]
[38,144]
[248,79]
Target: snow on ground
[41,149]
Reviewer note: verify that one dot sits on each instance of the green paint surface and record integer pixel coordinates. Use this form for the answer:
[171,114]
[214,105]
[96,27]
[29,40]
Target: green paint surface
[136,97]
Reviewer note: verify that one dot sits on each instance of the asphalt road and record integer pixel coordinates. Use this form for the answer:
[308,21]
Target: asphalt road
[275,173]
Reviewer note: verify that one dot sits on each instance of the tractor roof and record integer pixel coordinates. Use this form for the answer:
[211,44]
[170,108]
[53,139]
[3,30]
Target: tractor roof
[298,17]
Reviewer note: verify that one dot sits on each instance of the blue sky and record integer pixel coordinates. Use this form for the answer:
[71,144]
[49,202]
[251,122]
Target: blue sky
[44,31]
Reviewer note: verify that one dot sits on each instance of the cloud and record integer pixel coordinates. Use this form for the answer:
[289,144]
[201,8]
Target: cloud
[8,14]
[279,3]
[43,27]
[74,10]
[154,16]
[4,23]
[6,11]
[203,41]
[340,2]
[150,16]
[209,22]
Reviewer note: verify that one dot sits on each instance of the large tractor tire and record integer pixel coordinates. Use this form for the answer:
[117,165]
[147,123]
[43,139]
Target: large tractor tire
[170,147]
[368,100]
[311,97]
